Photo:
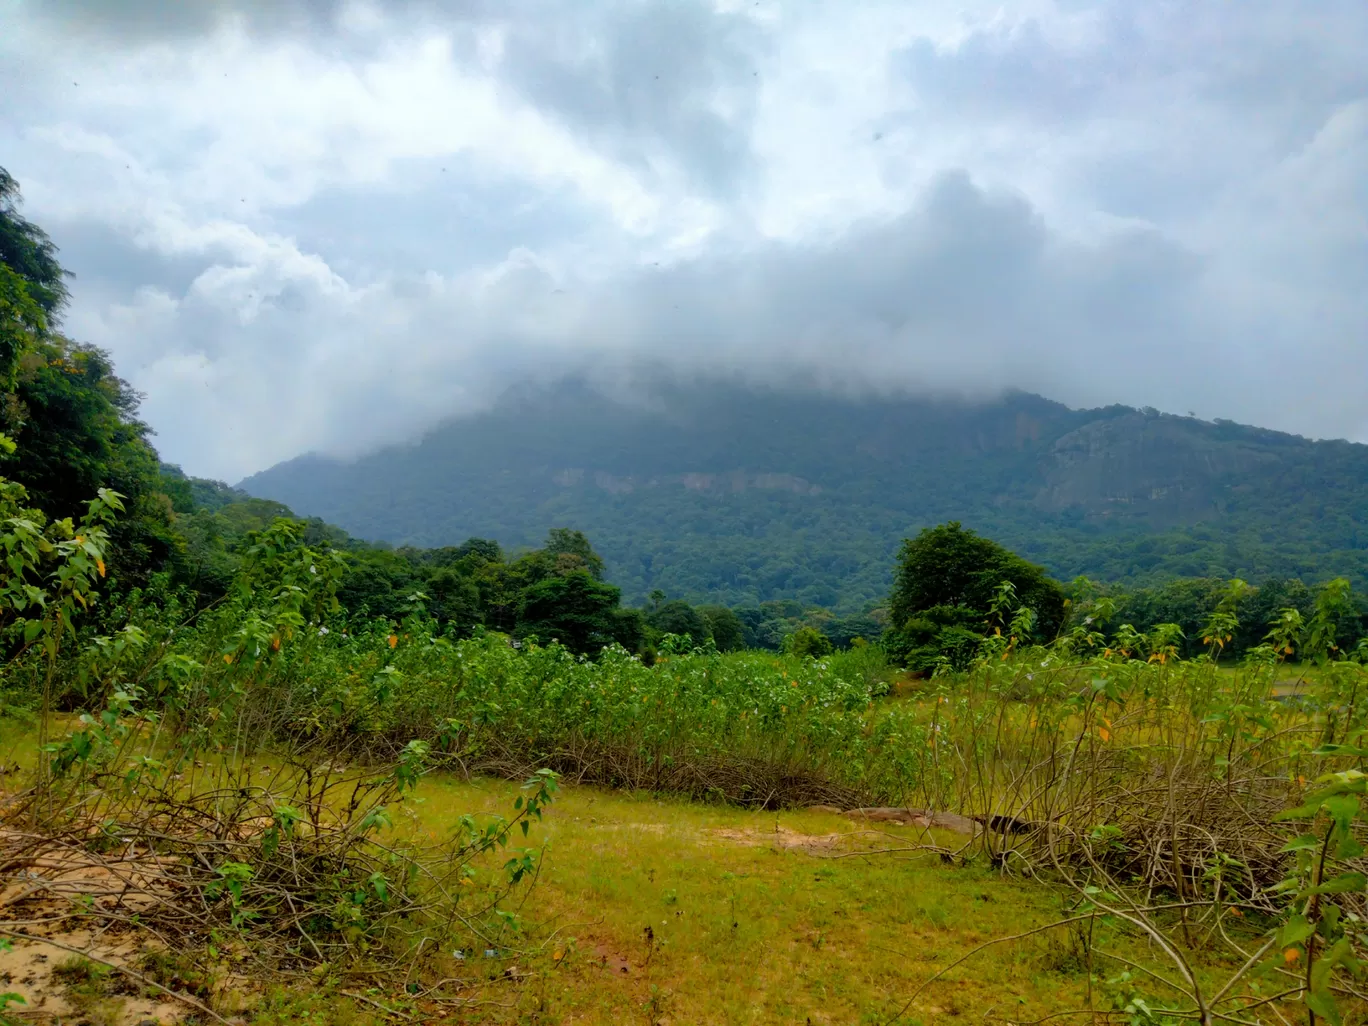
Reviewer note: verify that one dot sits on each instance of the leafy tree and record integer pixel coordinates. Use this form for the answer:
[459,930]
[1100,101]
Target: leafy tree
[456,599]
[73,420]
[952,566]
[573,608]
[808,641]
[22,323]
[952,586]
[678,617]
[571,550]
[940,634]
[629,629]
[483,550]
[29,253]
[728,633]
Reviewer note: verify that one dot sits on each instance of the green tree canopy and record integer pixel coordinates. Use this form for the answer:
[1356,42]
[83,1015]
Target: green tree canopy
[952,566]
[678,617]
[728,632]
[572,608]
[28,252]
[571,550]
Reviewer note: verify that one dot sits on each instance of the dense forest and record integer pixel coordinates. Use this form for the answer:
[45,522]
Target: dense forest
[713,492]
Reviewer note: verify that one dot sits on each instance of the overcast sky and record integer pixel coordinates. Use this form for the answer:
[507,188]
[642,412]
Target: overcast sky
[322,225]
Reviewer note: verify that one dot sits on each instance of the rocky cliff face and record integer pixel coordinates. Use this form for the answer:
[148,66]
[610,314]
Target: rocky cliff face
[1161,468]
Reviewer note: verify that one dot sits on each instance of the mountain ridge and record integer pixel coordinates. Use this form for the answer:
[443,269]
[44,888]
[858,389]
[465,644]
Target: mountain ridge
[710,490]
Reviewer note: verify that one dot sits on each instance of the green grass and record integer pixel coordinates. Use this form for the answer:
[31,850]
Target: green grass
[749,926]
[754,917]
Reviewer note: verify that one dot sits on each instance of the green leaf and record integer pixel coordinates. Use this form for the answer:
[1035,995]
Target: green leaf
[1343,808]
[1348,847]
[1323,1004]
[1338,885]
[380,885]
[1302,843]
[1296,930]
[1307,811]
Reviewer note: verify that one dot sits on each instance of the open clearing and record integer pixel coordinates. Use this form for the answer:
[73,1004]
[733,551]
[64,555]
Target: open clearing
[668,912]
[660,911]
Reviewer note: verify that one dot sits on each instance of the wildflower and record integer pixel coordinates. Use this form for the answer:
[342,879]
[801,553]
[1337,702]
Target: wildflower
[322,631]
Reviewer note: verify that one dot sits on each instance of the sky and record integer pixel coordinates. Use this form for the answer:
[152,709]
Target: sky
[324,225]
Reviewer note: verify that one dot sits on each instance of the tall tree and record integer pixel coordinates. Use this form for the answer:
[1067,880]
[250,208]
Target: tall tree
[73,419]
[28,252]
[573,608]
[951,566]
[728,633]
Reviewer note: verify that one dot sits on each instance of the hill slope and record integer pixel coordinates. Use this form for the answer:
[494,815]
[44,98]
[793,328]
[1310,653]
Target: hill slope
[739,496]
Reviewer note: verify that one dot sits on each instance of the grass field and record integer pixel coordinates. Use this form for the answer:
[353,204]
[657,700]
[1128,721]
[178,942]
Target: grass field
[656,911]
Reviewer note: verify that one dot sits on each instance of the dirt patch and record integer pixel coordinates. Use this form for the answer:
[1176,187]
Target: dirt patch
[57,986]
[610,961]
[783,838]
[75,949]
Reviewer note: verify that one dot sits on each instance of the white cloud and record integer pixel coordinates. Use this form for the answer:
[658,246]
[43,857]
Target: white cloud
[323,224]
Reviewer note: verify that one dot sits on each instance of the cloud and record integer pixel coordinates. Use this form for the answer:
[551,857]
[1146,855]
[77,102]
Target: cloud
[329,225]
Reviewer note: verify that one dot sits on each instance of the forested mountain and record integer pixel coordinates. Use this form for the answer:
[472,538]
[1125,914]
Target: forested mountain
[709,490]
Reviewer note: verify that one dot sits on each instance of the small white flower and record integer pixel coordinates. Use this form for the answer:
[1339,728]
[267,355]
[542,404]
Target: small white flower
[313,569]
[322,631]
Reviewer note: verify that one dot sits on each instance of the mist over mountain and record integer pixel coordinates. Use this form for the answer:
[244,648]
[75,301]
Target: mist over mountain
[709,489]
[356,218]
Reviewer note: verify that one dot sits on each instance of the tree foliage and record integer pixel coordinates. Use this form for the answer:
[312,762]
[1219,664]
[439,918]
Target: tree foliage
[951,587]
[678,617]
[728,633]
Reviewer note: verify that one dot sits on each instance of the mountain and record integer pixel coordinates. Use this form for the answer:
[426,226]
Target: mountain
[710,490]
